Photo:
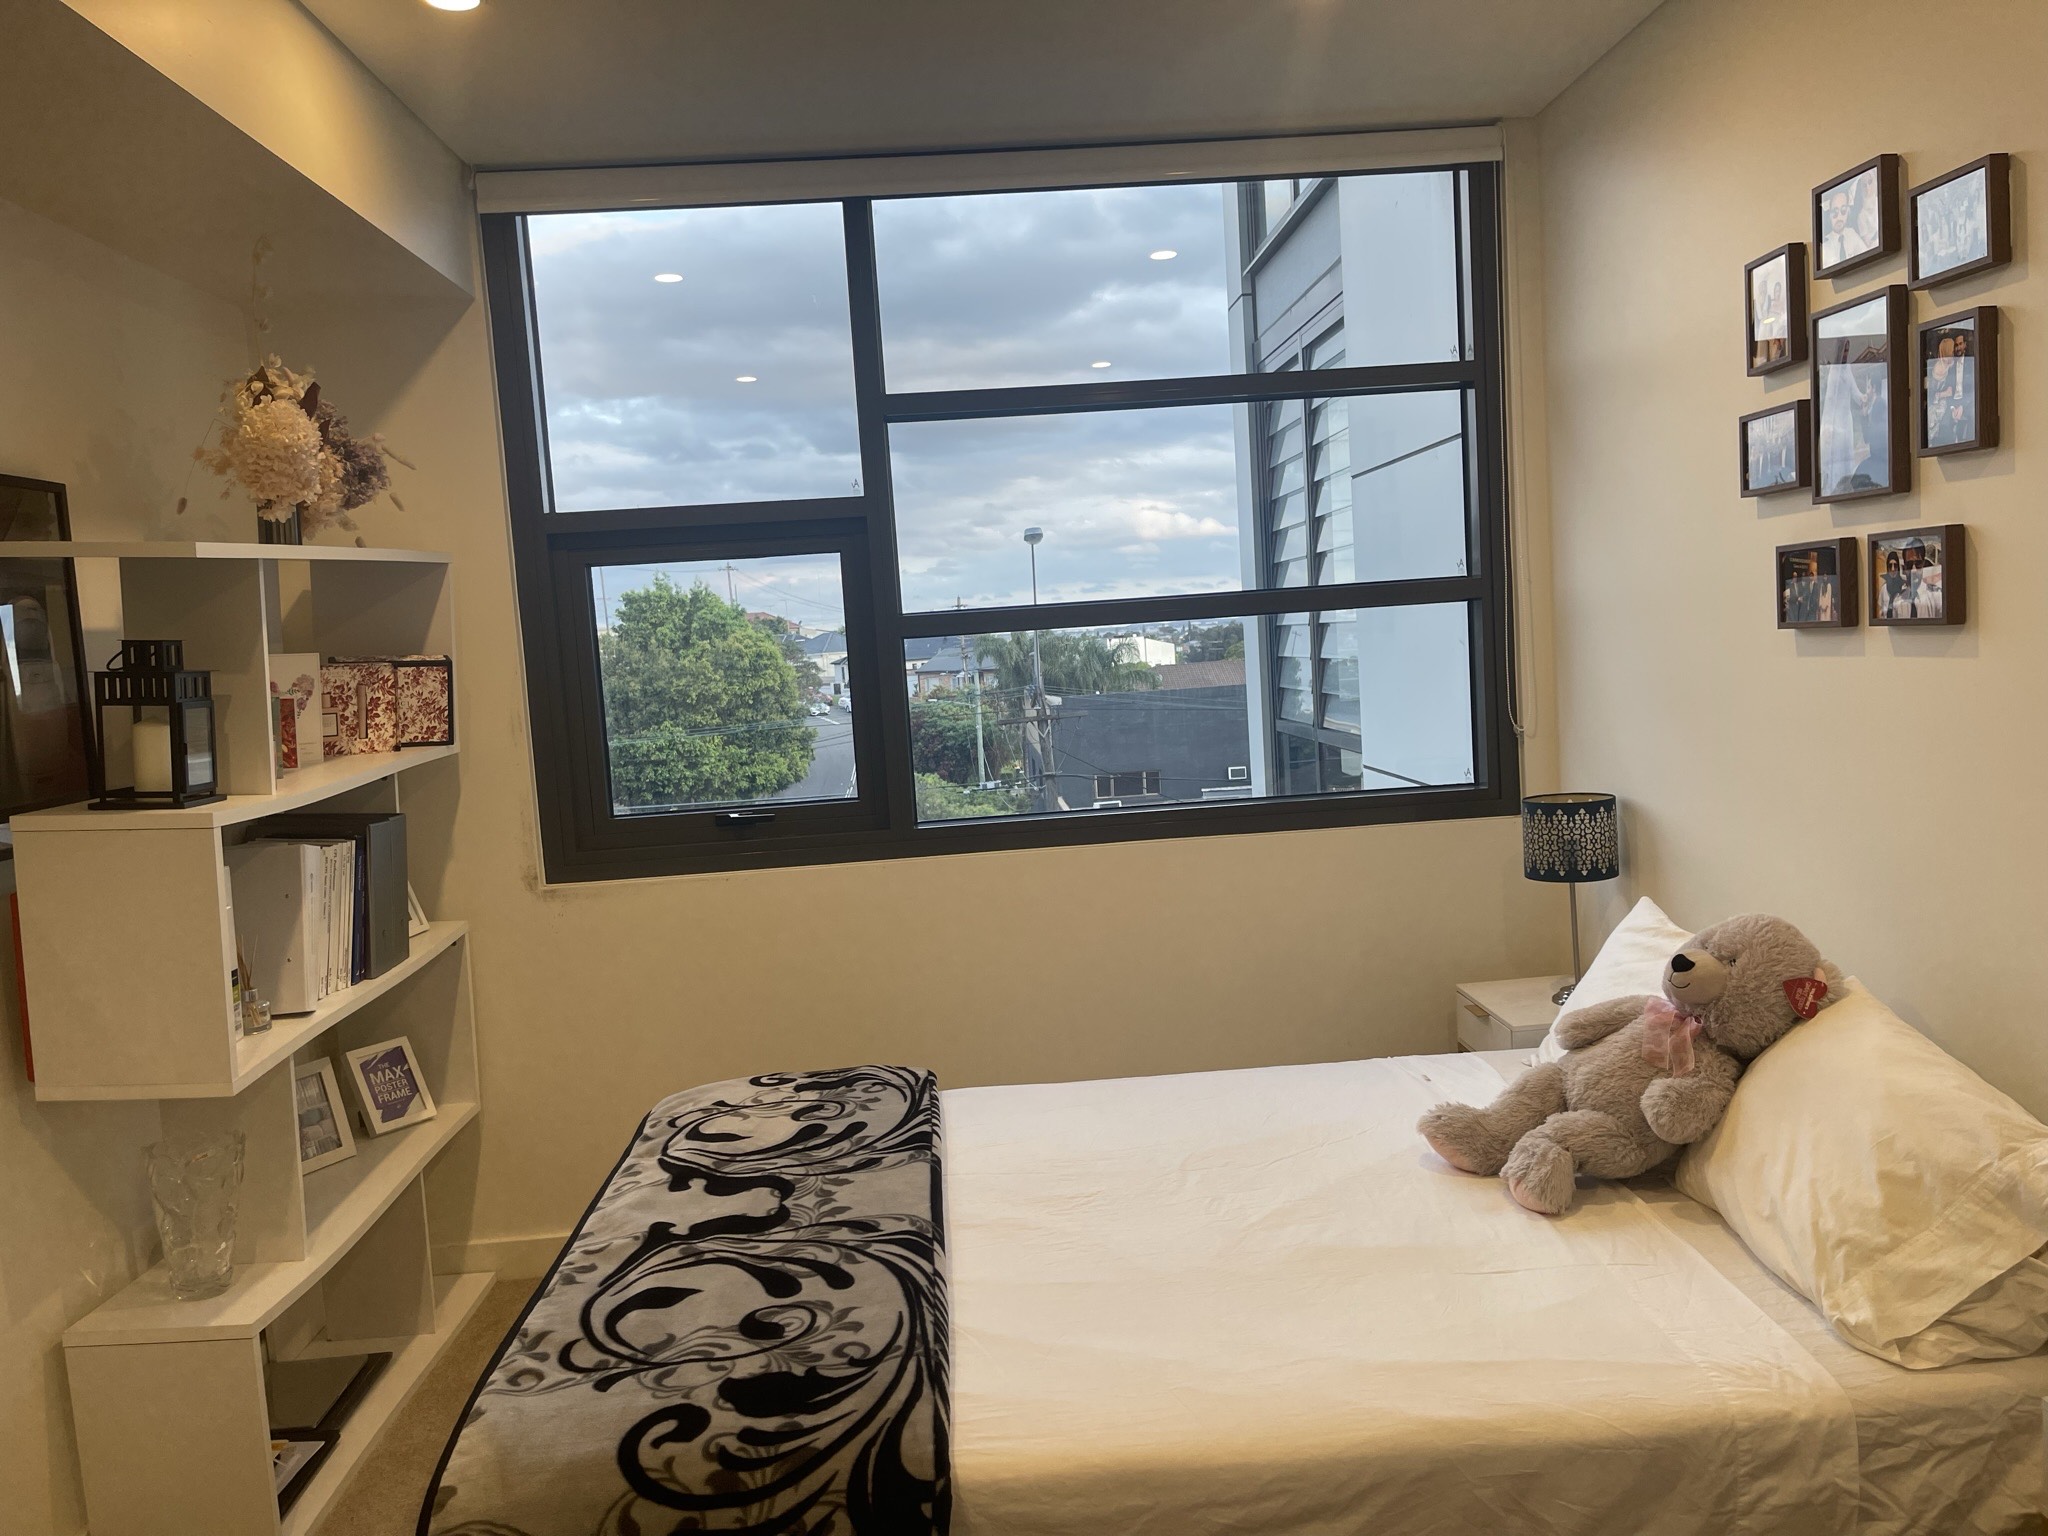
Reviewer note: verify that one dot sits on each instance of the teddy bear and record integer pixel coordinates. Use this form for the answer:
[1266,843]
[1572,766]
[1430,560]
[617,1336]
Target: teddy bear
[1642,1076]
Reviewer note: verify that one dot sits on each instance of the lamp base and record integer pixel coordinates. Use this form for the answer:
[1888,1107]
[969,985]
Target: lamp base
[1563,993]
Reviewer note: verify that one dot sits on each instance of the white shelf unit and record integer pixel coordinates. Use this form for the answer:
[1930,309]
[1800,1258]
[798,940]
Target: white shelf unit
[128,939]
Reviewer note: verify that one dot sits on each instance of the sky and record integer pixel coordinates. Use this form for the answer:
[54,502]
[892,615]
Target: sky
[646,404]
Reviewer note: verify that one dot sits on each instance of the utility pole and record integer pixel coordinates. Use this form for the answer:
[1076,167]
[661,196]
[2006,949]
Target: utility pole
[980,747]
[1037,724]
[728,585]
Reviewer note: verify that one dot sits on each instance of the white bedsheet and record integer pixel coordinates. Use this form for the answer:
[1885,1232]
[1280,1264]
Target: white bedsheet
[1255,1302]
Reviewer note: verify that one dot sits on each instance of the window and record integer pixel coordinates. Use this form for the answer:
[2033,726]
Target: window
[925,524]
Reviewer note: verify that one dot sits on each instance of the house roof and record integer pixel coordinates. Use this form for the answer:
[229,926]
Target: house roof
[831,643]
[1203,674]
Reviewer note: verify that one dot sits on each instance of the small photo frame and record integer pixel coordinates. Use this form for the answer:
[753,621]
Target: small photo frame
[1774,309]
[1917,577]
[1817,584]
[1777,449]
[390,1088]
[324,1136]
[1856,217]
[1961,222]
[1958,362]
[1861,397]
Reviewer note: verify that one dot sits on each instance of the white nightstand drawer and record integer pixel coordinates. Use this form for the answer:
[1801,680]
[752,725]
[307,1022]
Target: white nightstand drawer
[1504,1015]
[1479,1030]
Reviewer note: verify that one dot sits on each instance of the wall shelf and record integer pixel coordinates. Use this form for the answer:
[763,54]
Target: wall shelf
[128,946]
[145,1312]
[295,790]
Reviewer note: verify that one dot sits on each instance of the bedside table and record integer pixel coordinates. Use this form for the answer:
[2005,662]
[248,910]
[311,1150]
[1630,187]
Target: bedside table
[1505,1015]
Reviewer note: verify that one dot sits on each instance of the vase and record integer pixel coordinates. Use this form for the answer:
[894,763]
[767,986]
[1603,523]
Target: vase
[193,1182]
[279,530]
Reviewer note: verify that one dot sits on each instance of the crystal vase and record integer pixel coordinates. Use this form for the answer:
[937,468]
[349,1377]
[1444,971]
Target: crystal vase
[192,1183]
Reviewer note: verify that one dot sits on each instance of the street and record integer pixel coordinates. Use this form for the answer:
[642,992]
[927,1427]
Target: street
[831,775]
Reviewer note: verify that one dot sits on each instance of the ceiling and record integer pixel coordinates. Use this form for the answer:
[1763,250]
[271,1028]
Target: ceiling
[608,82]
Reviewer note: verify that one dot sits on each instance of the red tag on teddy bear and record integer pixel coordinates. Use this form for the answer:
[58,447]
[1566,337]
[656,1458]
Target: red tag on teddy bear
[1806,994]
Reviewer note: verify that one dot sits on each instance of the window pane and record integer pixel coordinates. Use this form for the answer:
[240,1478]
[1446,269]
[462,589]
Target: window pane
[695,356]
[1130,503]
[1172,715]
[1065,287]
[724,682]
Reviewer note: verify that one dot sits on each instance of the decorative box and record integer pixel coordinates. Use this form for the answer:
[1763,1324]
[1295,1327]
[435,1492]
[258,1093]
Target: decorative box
[295,682]
[358,707]
[426,701]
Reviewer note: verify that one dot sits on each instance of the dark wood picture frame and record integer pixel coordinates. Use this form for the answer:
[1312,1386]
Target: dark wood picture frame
[1889,171]
[1997,169]
[1983,321]
[1801,412]
[17,555]
[1954,566]
[1898,414]
[1848,582]
[1794,258]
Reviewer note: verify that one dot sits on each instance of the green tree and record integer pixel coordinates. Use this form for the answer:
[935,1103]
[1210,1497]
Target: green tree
[937,800]
[942,735]
[810,677]
[1074,663]
[700,706]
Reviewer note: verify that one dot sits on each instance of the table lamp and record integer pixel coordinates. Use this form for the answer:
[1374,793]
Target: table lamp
[1567,838]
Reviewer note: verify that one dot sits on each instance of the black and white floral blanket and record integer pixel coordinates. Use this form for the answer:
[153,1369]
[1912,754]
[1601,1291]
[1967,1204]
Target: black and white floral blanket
[747,1333]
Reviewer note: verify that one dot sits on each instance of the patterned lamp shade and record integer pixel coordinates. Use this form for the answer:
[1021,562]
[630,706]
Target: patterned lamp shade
[1570,838]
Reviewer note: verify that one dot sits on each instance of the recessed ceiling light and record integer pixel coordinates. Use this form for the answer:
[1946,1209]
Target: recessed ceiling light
[1164,255]
[746,378]
[1098,365]
[455,5]
[668,277]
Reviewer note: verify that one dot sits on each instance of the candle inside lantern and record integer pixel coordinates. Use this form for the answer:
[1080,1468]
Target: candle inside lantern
[152,738]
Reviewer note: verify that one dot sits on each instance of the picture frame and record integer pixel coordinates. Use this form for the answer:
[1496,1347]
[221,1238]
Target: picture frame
[48,756]
[1775,449]
[1905,563]
[1956,356]
[1856,216]
[1774,310]
[1816,584]
[1862,397]
[389,1087]
[1961,222]
[324,1136]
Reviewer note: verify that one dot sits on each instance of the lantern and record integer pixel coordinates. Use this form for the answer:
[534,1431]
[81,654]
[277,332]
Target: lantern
[156,730]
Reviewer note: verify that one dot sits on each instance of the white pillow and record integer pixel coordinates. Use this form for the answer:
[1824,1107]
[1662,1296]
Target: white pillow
[1888,1183]
[1631,961]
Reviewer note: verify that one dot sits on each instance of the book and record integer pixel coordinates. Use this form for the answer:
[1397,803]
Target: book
[378,907]
[279,901]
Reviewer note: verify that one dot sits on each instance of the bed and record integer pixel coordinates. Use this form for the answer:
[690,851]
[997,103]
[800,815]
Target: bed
[1254,1302]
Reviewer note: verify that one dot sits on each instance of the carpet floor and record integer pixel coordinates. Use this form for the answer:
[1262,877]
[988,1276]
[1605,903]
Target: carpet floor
[383,1498]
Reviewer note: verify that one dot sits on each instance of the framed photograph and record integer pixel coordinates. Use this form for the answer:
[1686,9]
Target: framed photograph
[46,705]
[1958,362]
[389,1086]
[1961,222]
[1774,309]
[1817,584]
[1777,449]
[1861,397]
[1916,576]
[1856,217]
[323,1123]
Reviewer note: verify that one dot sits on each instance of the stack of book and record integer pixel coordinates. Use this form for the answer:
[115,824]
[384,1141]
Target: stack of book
[320,904]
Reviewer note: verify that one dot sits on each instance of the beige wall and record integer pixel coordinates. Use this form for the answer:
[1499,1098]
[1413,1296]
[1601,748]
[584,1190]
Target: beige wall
[110,377]
[1880,788]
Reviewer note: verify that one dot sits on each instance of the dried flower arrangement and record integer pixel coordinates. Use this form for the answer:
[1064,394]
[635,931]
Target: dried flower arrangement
[289,449]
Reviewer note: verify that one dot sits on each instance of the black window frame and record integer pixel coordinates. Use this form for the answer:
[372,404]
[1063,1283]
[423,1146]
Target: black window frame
[553,552]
